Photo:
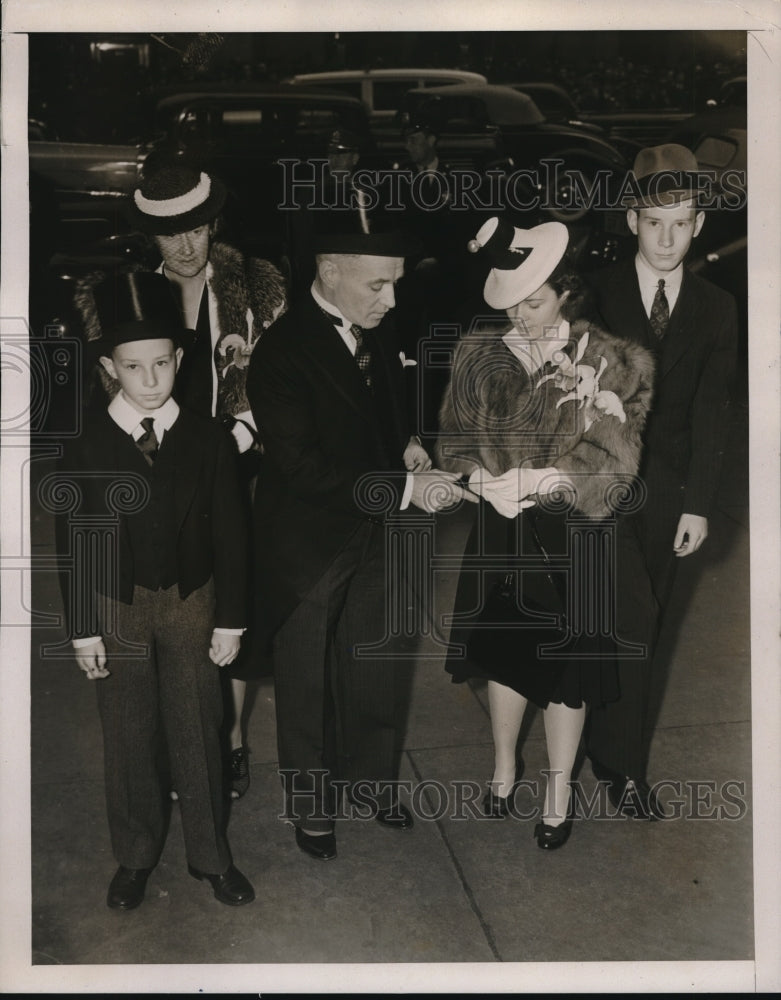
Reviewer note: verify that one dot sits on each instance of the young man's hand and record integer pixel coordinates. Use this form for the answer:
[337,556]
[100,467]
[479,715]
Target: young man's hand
[224,648]
[92,660]
[692,532]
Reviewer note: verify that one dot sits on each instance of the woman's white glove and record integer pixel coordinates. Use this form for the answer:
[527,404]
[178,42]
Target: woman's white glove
[511,492]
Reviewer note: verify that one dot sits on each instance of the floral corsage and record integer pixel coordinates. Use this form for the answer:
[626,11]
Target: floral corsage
[581,382]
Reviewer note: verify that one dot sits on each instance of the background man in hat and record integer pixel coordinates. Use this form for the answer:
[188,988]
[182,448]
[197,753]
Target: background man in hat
[334,189]
[155,630]
[227,300]
[691,326]
[325,384]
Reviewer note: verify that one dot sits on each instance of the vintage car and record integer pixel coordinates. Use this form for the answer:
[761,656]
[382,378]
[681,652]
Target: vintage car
[492,127]
[628,130]
[239,132]
[382,90]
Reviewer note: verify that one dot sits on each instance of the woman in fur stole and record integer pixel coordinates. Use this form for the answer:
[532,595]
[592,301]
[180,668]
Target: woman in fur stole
[544,414]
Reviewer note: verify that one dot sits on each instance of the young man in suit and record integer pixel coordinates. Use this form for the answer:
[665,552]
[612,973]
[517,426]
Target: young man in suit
[325,385]
[161,608]
[691,326]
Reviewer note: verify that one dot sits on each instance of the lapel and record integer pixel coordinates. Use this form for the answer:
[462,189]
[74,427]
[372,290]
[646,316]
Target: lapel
[329,354]
[179,462]
[681,331]
[633,320]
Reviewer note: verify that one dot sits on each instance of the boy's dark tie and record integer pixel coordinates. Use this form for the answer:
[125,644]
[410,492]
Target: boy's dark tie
[362,355]
[660,311]
[147,444]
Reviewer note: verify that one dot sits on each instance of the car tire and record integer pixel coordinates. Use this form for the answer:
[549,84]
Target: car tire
[560,200]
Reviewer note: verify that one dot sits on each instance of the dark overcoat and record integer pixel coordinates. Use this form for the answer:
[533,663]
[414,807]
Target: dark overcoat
[333,450]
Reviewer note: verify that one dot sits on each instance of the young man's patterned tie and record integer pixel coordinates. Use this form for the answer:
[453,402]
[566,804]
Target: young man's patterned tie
[660,311]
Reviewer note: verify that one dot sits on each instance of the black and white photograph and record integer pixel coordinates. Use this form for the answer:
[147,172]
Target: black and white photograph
[390,476]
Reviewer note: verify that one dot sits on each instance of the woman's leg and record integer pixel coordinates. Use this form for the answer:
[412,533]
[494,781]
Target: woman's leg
[238,690]
[563,727]
[507,708]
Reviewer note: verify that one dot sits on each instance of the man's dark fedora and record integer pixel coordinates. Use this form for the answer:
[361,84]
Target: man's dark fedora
[136,305]
[175,197]
[664,176]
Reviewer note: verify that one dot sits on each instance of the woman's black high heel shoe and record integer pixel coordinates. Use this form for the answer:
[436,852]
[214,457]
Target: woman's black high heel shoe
[551,837]
[238,772]
[498,806]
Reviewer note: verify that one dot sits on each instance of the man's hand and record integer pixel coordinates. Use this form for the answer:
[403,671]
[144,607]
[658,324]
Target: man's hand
[436,490]
[692,532]
[224,648]
[416,457]
[92,660]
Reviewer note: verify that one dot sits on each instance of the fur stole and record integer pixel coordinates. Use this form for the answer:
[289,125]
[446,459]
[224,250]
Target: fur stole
[239,284]
[497,416]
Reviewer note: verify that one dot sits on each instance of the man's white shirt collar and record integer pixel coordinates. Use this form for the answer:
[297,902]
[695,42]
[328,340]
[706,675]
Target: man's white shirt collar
[128,419]
[344,324]
[648,280]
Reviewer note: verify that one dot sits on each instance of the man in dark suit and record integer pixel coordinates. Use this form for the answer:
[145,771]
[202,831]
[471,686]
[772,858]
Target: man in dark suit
[157,609]
[691,326]
[325,386]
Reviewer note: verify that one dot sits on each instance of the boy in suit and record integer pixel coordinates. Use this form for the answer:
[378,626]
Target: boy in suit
[691,326]
[154,619]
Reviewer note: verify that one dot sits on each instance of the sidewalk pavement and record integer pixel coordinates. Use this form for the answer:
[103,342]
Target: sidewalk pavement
[453,890]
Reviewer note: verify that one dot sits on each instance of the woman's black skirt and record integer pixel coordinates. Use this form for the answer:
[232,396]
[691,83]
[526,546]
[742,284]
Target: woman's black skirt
[535,607]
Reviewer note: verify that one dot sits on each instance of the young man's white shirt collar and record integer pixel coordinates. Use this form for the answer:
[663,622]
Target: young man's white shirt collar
[344,324]
[648,280]
[129,419]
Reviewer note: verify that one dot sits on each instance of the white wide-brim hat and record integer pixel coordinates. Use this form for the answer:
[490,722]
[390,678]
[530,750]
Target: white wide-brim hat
[522,259]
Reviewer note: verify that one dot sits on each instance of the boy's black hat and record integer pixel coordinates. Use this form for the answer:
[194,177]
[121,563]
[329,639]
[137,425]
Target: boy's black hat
[136,305]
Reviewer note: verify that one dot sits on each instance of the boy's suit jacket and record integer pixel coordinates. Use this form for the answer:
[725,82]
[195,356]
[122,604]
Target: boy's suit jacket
[687,424]
[197,462]
[322,431]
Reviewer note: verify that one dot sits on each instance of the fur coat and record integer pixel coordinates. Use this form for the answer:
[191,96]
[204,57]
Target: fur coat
[247,292]
[583,413]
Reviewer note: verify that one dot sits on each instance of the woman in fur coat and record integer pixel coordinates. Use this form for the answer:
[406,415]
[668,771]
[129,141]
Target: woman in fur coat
[543,415]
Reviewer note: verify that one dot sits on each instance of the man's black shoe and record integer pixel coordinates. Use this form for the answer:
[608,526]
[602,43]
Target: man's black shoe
[633,798]
[231,888]
[398,817]
[322,847]
[636,799]
[126,890]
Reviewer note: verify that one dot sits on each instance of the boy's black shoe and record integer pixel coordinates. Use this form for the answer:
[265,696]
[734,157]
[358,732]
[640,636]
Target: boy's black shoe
[231,888]
[126,890]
